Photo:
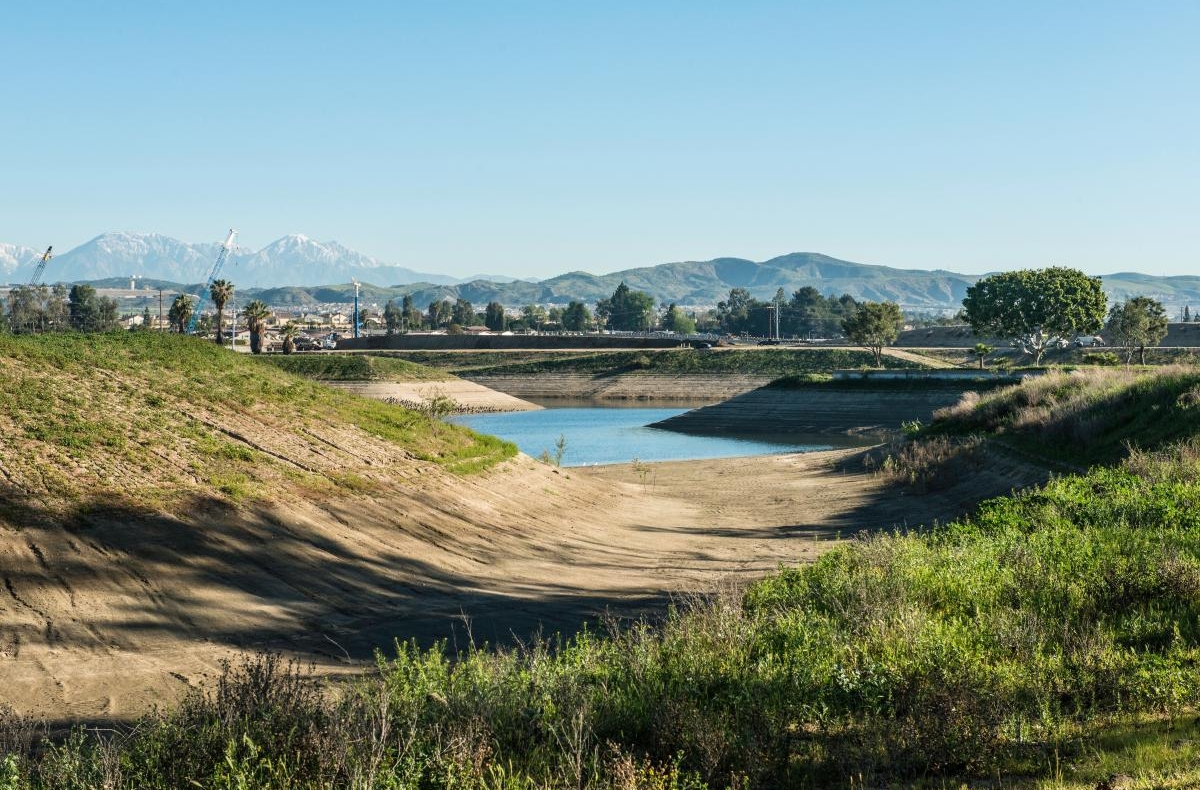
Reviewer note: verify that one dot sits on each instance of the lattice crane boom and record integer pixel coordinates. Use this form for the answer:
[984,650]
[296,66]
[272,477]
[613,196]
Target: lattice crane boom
[41,267]
[226,247]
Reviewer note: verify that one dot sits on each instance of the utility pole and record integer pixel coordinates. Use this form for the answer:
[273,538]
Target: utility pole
[356,284]
[160,315]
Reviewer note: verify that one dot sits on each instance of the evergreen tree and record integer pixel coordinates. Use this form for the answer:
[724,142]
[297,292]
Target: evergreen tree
[494,317]
[393,317]
[626,309]
[463,312]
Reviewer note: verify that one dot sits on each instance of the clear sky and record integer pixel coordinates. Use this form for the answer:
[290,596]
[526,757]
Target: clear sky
[536,138]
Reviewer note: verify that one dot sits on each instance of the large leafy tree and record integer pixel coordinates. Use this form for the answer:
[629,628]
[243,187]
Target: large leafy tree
[734,312]
[410,317]
[679,322]
[1135,324]
[37,308]
[463,312]
[809,314]
[440,313]
[873,326]
[535,315]
[1036,308]
[393,317]
[221,292]
[576,317]
[90,312]
[626,309]
[256,314]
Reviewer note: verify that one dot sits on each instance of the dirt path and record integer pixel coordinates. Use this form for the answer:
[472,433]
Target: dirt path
[106,617]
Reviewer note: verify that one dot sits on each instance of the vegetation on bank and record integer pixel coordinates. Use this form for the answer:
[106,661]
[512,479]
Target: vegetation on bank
[1050,640]
[1084,416]
[774,362]
[170,416]
[1003,645]
[353,367]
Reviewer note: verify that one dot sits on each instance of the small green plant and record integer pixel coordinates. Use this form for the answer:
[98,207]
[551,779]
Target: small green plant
[560,448]
[10,773]
[642,470]
[439,405]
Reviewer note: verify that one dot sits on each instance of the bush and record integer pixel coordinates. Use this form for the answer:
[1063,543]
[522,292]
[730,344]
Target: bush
[1101,358]
[983,647]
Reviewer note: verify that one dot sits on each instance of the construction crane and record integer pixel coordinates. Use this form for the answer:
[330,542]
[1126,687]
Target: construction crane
[212,275]
[41,267]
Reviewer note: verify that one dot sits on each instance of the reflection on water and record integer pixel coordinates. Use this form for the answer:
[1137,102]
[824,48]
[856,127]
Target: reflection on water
[618,435]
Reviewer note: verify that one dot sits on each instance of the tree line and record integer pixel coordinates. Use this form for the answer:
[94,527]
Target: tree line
[49,308]
[459,314]
[1035,309]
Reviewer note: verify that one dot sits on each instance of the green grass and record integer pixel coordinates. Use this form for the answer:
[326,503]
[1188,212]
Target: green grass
[1049,640]
[775,362]
[352,367]
[160,412]
[1085,416]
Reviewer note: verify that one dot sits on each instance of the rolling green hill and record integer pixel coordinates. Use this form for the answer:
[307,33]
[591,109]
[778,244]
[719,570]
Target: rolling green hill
[705,283]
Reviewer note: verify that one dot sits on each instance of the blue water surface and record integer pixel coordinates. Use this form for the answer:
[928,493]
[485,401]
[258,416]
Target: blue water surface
[602,435]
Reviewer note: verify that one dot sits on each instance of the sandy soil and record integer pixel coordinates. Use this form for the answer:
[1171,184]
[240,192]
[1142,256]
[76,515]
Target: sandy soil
[467,393]
[123,610]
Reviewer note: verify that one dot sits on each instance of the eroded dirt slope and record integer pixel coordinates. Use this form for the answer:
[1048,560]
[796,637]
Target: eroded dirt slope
[155,520]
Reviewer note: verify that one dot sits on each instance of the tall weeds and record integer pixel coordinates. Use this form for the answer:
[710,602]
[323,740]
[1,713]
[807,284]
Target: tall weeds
[1086,416]
[989,645]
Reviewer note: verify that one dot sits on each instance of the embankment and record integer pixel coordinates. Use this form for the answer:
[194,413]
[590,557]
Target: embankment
[468,395]
[620,386]
[417,342]
[816,408]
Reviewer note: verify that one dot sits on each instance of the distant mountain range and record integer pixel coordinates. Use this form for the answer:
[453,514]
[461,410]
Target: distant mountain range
[292,260]
[298,270]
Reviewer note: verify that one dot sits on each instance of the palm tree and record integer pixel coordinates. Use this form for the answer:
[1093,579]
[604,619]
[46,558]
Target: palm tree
[290,330]
[221,292]
[981,350]
[181,311]
[256,315]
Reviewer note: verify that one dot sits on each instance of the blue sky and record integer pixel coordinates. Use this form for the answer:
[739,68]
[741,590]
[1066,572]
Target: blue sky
[536,138]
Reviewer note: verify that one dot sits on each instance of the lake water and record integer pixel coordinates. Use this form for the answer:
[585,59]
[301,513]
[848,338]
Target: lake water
[603,435]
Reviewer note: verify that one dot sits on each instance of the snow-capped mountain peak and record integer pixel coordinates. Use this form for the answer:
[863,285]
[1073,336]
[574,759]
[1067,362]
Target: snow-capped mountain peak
[13,256]
[291,260]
